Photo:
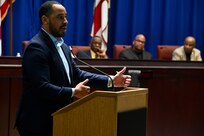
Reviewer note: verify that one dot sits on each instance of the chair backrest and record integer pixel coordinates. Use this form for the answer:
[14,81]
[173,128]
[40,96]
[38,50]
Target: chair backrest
[77,48]
[119,48]
[24,44]
[164,52]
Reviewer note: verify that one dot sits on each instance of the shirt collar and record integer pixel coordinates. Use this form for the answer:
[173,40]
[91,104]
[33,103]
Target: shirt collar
[57,41]
[93,54]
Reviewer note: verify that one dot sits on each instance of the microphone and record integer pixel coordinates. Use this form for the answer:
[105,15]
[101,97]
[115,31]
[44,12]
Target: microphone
[98,70]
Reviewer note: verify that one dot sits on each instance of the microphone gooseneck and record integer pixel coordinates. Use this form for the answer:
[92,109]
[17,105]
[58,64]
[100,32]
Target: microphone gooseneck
[98,70]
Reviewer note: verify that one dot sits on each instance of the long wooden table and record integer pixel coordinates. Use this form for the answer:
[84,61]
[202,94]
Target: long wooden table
[176,94]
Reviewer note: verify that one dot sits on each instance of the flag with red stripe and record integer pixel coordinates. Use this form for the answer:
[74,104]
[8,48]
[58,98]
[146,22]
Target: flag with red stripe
[100,21]
[4,5]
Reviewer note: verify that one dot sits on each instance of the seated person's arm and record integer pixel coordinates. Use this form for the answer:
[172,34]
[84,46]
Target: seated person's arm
[101,54]
[175,56]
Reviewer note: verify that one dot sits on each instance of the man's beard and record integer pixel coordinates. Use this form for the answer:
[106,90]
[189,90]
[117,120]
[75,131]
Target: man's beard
[55,32]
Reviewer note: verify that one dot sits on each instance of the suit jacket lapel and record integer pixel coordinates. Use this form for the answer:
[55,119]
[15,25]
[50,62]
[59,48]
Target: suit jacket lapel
[54,51]
[144,55]
[68,57]
[134,55]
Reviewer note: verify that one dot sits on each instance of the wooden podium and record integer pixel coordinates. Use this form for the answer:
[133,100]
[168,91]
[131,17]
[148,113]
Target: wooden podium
[104,113]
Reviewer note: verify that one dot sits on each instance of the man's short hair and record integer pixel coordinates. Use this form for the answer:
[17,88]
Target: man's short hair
[46,8]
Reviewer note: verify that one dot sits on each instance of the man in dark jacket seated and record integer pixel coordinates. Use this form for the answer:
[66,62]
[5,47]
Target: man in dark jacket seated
[137,50]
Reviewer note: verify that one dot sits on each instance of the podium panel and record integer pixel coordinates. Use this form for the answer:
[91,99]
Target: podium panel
[102,113]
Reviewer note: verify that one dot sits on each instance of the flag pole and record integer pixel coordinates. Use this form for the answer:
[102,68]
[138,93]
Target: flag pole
[11,28]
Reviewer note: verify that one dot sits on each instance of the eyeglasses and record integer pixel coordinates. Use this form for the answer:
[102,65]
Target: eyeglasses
[140,41]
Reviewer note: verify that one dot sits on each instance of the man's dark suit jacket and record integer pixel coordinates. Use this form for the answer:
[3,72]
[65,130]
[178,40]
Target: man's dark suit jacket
[130,54]
[46,88]
[84,54]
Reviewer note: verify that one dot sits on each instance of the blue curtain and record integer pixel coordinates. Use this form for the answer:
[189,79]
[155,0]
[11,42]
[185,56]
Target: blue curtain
[26,23]
[161,21]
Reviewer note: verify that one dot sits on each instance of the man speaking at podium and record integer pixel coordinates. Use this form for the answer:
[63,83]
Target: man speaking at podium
[50,76]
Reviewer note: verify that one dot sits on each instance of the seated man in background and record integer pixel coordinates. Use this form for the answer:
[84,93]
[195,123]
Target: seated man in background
[95,51]
[137,50]
[187,52]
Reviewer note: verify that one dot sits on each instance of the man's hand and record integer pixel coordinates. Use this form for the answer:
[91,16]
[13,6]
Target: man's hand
[81,89]
[101,54]
[122,80]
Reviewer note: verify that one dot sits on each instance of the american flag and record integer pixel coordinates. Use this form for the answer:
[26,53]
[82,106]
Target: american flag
[100,21]
[4,5]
